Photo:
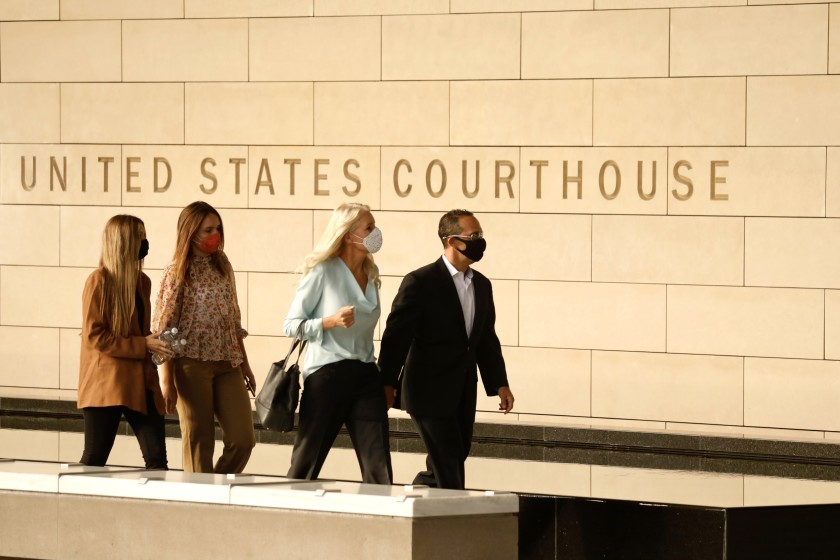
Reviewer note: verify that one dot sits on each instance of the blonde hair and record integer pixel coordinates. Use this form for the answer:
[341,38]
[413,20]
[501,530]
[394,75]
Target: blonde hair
[121,269]
[343,219]
[189,222]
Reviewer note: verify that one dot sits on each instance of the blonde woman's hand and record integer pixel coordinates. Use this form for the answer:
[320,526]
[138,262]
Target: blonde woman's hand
[156,346]
[344,317]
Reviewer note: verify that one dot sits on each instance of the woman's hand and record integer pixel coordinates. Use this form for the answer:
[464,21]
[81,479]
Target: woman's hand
[344,317]
[156,346]
[167,387]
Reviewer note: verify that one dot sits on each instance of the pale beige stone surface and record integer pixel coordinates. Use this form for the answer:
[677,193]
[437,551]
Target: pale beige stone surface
[248,113]
[451,47]
[793,111]
[791,393]
[668,250]
[834,39]
[562,250]
[82,227]
[380,113]
[31,445]
[792,252]
[654,485]
[271,296]
[41,296]
[590,315]
[70,345]
[680,388]
[772,322]
[594,180]
[595,44]
[521,113]
[630,4]
[441,178]
[29,235]
[29,10]
[60,174]
[31,354]
[28,524]
[315,49]
[832,182]
[61,51]
[760,2]
[122,9]
[565,479]
[725,181]
[751,40]
[250,233]
[775,491]
[246,8]
[518,5]
[307,177]
[185,50]
[380,7]
[30,113]
[548,381]
[122,113]
[832,324]
[669,112]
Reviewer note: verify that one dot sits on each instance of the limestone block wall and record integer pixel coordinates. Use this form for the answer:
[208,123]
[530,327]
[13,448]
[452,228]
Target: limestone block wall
[658,180]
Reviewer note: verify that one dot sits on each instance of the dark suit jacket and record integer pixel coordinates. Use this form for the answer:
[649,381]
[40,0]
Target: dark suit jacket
[425,338]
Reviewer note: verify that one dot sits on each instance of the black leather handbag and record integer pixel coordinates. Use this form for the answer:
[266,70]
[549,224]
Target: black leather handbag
[278,398]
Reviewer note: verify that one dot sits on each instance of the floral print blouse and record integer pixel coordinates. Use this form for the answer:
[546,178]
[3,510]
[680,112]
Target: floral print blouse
[204,309]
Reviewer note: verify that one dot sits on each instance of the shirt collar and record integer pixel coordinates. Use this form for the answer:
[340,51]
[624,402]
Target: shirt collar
[453,271]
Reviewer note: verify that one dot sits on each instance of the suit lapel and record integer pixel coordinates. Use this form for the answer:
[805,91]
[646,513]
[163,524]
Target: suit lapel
[481,294]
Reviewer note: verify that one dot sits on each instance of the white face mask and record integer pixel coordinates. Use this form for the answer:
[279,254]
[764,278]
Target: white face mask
[373,241]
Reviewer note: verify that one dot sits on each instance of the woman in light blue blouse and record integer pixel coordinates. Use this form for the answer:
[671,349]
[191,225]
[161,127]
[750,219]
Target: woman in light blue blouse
[336,308]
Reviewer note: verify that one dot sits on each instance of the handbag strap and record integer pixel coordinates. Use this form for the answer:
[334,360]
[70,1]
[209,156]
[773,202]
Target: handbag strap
[298,341]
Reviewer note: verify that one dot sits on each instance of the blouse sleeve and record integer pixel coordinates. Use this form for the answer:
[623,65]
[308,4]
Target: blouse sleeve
[240,332]
[95,329]
[303,307]
[167,312]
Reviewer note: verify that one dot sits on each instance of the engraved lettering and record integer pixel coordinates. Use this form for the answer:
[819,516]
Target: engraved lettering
[209,175]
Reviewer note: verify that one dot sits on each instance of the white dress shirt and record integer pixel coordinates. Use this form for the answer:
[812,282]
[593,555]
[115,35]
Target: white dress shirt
[466,292]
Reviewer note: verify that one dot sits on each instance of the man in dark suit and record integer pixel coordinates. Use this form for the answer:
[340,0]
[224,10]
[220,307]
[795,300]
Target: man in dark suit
[441,326]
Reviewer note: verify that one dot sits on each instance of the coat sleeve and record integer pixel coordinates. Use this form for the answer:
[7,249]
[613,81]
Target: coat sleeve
[400,329]
[95,330]
[489,357]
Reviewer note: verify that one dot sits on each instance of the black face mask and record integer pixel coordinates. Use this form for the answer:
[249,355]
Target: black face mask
[474,249]
[144,249]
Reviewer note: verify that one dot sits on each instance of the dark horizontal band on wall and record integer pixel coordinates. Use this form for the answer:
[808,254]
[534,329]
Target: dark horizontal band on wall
[554,444]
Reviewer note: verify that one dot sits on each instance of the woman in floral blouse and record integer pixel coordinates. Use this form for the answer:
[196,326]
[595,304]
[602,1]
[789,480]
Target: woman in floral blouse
[198,296]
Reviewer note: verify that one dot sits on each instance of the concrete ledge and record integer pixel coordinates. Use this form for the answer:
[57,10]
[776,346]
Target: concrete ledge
[50,510]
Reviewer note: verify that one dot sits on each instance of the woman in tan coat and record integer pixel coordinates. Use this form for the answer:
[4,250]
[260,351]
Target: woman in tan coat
[116,375]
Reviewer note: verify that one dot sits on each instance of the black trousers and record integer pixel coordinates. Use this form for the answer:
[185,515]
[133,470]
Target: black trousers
[448,440]
[348,392]
[102,423]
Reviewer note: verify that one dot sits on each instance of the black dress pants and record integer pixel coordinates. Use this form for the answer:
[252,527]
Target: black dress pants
[348,392]
[102,423]
[448,440]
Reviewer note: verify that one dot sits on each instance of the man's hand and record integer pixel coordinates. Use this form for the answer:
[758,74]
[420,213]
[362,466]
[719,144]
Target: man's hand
[505,399]
[390,396]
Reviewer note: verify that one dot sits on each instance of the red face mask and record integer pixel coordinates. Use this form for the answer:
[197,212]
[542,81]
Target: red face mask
[210,244]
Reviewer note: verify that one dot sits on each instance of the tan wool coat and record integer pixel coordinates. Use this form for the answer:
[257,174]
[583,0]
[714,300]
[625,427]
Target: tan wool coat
[115,370]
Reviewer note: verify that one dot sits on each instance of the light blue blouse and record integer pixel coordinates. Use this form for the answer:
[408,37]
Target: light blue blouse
[322,292]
